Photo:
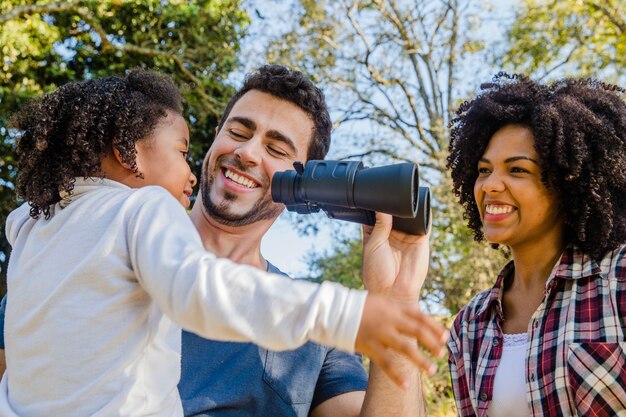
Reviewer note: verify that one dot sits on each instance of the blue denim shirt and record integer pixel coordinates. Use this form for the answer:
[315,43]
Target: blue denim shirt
[224,379]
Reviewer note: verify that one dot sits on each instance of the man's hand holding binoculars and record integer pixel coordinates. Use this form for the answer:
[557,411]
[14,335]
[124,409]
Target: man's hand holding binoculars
[395,266]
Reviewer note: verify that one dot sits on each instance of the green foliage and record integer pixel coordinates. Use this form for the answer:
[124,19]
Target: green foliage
[315,34]
[571,37]
[45,44]
[460,267]
[437,389]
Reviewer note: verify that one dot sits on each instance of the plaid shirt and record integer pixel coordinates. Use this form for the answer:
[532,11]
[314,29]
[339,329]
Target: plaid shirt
[575,363]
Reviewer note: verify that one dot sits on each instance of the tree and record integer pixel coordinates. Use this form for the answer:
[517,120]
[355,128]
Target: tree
[394,72]
[571,37]
[47,44]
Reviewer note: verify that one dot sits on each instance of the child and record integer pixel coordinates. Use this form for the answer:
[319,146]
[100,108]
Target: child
[106,266]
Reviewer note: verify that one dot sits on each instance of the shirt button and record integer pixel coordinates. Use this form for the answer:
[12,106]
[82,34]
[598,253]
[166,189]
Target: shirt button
[532,377]
[496,342]
[483,396]
[536,324]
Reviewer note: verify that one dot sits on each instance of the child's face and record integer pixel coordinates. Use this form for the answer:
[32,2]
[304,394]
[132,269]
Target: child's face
[162,158]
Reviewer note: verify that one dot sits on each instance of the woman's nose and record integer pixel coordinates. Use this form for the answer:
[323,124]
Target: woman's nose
[493,184]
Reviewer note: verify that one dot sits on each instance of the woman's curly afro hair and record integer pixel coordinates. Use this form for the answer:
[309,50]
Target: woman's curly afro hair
[579,128]
[64,134]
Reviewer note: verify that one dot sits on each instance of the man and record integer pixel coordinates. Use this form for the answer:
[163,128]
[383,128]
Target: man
[279,117]
[276,118]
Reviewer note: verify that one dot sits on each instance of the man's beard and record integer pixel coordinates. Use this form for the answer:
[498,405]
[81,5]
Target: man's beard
[263,209]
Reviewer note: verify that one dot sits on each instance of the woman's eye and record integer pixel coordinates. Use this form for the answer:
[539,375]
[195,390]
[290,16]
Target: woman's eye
[518,169]
[483,170]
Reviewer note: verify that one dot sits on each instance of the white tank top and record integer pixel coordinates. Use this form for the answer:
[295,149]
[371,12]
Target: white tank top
[509,386]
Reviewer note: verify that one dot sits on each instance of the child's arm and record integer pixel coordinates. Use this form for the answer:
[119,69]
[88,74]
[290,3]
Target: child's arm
[219,299]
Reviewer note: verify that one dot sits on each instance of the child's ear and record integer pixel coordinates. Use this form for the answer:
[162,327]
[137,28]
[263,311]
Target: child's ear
[118,157]
[131,167]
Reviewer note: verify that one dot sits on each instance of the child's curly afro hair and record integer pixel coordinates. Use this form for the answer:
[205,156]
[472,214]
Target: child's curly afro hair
[64,134]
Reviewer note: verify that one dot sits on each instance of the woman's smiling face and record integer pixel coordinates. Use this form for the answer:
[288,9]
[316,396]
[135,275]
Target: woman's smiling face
[516,208]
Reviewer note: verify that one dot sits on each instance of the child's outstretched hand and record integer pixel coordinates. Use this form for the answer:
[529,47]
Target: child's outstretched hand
[388,326]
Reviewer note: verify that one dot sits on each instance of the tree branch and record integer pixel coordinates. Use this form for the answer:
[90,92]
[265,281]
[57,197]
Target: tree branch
[412,52]
[620,25]
[20,11]
[451,62]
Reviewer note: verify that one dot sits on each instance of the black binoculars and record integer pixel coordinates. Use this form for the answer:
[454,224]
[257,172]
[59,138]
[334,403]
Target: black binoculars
[345,190]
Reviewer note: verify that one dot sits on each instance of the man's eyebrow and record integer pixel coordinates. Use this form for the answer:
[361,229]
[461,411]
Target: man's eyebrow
[276,135]
[248,123]
[511,159]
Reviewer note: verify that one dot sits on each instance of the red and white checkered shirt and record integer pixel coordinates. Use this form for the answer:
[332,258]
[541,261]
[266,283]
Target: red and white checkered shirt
[576,359]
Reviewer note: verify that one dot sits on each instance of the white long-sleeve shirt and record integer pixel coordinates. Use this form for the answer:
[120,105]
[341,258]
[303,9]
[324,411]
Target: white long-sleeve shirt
[98,292]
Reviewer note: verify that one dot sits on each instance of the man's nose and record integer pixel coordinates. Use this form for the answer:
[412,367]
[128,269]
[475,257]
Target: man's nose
[249,152]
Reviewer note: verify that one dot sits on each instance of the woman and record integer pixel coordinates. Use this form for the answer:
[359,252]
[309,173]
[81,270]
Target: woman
[540,169]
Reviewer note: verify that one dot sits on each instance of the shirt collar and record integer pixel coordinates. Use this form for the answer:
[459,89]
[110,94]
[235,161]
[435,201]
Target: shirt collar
[575,264]
[493,299]
[84,185]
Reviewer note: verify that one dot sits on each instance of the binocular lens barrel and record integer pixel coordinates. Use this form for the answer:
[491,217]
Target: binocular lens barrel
[390,189]
[285,185]
[348,191]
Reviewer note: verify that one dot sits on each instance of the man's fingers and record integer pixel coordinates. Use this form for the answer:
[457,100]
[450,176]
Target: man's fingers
[378,233]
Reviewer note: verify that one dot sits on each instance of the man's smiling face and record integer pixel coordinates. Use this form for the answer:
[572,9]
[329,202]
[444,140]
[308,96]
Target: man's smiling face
[262,135]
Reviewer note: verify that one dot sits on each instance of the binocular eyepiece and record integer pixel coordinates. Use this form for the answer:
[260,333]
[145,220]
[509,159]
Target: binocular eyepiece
[345,190]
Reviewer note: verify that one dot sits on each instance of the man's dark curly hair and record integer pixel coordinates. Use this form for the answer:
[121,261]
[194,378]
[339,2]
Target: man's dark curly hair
[296,88]
[65,134]
[579,128]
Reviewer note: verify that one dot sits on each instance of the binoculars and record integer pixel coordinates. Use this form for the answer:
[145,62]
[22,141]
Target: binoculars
[345,190]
